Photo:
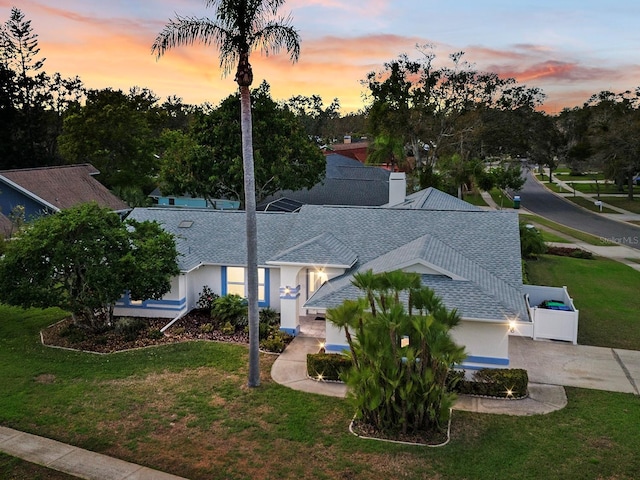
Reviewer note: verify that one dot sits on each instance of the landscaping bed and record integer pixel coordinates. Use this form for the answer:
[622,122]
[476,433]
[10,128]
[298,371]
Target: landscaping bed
[141,332]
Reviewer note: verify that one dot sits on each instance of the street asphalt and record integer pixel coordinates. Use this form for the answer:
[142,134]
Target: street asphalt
[541,201]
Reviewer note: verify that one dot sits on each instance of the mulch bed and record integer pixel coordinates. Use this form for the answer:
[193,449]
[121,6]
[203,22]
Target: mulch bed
[187,328]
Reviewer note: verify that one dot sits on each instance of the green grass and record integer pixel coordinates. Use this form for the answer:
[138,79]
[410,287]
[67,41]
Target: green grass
[589,204]
[566,177]
[548,236]
[624,203]
[475,198]
[605,291]
[577,234]
[16,469]
[500,198]
[605,188]
[186,409]
[554,187]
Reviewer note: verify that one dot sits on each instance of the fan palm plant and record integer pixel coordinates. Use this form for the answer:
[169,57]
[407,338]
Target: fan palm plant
[238,28]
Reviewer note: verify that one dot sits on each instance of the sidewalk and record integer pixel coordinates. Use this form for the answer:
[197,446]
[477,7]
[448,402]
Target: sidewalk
[72,460]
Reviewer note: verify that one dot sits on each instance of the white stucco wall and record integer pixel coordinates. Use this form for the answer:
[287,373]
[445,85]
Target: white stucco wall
[170,306]
[486,344]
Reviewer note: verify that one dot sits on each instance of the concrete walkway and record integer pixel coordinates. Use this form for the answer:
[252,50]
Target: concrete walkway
[290,369]
[72,460]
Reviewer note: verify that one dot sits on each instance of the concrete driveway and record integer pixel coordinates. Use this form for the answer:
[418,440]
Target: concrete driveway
[559,363]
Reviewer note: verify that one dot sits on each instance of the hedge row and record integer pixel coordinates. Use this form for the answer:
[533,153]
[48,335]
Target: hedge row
[326,366]
[501,383]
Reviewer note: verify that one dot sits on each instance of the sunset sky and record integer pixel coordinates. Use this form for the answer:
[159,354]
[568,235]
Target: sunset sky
[569,48]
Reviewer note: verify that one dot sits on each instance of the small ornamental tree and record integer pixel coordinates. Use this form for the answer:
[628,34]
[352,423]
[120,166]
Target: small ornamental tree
[83,259]
[531,241]
[401,351]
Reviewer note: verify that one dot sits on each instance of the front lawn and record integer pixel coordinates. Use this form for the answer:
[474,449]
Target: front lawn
[605,291]
[17,469]
[186,409]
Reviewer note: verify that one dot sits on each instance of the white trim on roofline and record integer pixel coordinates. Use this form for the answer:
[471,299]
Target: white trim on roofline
[410,263]
[306,264]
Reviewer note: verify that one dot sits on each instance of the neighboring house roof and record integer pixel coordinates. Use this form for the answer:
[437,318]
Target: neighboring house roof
[61,187]
[433,199]
[356,150]
[346,182]
[471,258]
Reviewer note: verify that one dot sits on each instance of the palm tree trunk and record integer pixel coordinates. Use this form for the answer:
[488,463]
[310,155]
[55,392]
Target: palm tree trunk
[252,236]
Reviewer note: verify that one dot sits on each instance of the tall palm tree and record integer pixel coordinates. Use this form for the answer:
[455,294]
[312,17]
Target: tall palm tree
[240,27]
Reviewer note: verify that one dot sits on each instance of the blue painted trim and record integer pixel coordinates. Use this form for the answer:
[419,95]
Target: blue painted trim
[294,292]
[223,280]
[267,288]
[331,348]
[267,285]
[171,305]
[487,360]
[464,366]
[291,331]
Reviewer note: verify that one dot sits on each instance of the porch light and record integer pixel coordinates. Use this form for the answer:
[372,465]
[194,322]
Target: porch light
[512,326]
[321,345]
[287,290]
[322,276]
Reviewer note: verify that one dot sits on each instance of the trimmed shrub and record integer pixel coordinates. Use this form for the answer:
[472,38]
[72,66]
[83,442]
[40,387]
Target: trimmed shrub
[155,334]
[276,341]
[269,323]
[206,328]
[207,298]
[491,382]
[228,329]
[230,309]
[327,366]
[531,242]
[269,316]
[570,252]
[130,327]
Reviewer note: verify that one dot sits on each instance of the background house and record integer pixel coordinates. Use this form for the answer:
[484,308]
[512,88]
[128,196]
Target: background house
[347,182]
[51,189]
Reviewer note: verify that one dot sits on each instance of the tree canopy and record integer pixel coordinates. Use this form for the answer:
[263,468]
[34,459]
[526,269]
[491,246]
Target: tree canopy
[83,259]
[208,161]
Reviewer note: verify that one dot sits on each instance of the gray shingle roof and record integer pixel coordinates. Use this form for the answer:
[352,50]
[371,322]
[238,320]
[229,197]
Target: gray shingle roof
[346,182]
[433,199]
[477,251]
[324,249]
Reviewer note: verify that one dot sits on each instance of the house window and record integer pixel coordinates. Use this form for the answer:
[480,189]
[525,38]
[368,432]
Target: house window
[234,281]
[316,279]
